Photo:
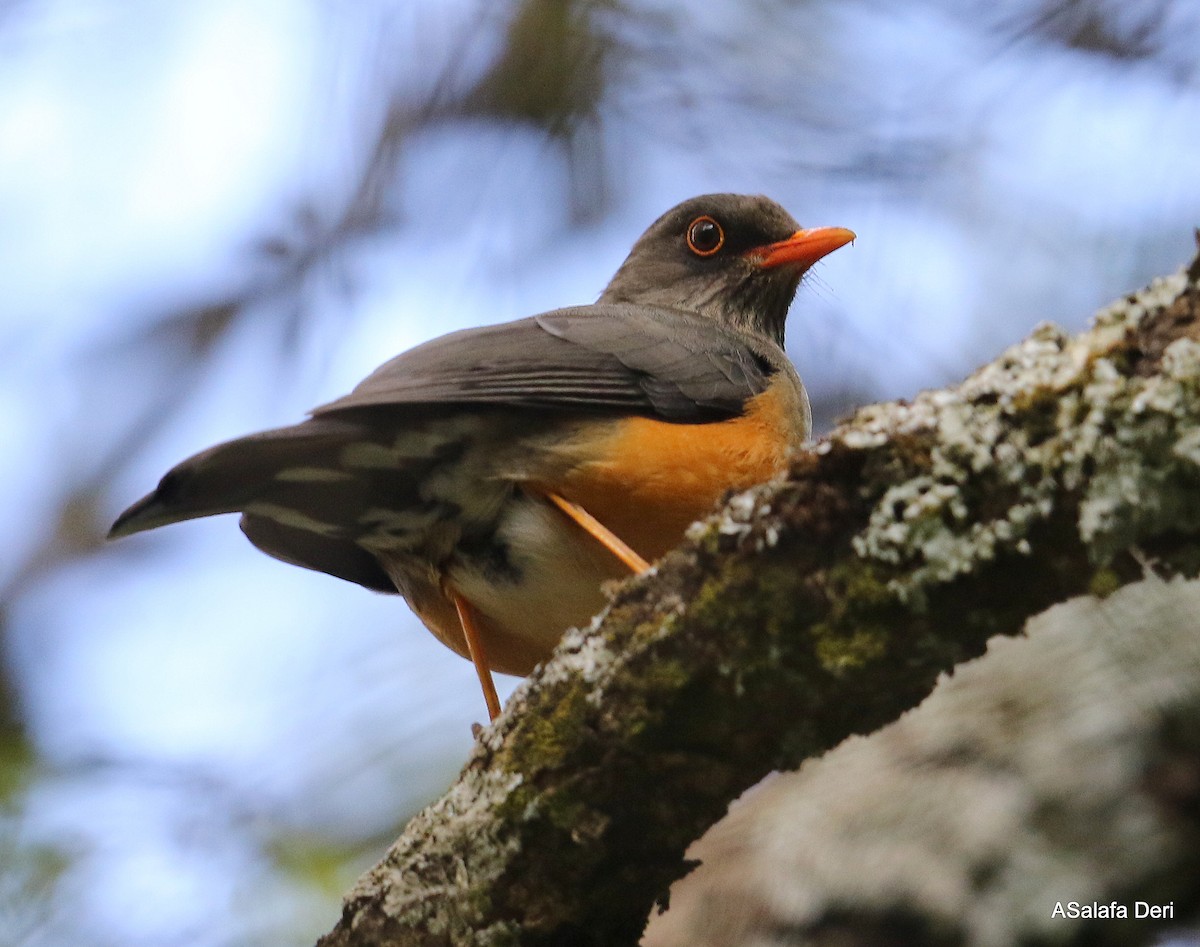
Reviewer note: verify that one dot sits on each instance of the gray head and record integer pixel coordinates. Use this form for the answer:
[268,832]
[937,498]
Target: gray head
[733,257]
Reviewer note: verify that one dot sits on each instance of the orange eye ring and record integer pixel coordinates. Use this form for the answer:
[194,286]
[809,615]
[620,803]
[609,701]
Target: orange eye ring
[705,236]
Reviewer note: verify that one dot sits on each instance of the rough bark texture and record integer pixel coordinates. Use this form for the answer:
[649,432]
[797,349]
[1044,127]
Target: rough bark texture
[807,610]
[1062,767]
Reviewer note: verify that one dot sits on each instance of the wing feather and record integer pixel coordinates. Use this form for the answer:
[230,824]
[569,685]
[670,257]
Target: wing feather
[604,358]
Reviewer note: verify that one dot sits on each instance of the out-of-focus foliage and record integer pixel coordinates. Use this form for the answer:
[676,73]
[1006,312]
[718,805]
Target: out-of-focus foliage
[183,721]
[27,884]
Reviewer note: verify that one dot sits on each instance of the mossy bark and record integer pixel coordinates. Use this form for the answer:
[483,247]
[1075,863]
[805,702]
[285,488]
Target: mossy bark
[807,610]
[1046,793]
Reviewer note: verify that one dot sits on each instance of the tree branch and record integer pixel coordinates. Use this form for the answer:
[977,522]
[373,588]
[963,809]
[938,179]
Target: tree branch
[1059,771]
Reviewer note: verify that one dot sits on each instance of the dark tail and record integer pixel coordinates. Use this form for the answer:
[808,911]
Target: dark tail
[223,479]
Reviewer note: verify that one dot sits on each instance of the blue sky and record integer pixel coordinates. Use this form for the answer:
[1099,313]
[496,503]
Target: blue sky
[193,703]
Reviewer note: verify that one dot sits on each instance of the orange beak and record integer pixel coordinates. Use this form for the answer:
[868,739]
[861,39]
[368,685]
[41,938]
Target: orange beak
[804,247]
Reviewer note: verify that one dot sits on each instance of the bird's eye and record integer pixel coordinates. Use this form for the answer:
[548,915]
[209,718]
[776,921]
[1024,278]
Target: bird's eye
[705,236]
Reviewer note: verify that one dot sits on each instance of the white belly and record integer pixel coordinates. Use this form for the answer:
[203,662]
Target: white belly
[561,569]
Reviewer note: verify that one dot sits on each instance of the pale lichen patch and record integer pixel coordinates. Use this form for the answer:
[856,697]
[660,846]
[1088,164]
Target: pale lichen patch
[1054,420]
[1128,312]
[738,519]
[1147,473]
[581,653]
[466,808]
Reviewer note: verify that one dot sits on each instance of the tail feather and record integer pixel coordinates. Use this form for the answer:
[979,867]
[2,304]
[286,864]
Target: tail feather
[227,477]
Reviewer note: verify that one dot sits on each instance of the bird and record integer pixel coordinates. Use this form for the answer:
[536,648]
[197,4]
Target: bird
[498,477]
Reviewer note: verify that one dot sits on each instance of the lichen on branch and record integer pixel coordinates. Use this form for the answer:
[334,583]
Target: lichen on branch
[1054,422]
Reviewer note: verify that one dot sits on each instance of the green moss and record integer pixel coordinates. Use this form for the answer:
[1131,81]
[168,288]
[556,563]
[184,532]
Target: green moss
[858,585]
[563,810]
[707,538]
[842,649]
[717,603]
[666,676]
[512,810]
[863,612]
[640,633]
[548,733]
[1103,583]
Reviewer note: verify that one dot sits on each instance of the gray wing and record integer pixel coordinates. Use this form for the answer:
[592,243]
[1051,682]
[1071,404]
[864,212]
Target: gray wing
[603,358]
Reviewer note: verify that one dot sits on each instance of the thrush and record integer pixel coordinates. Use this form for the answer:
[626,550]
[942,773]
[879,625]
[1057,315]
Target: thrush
[498,476]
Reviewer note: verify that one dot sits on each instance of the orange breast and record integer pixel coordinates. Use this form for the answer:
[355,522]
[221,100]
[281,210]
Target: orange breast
[650,479]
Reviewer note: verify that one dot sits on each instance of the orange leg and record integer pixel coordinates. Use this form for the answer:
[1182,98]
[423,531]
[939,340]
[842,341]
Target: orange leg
[466,618]
[598,531]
